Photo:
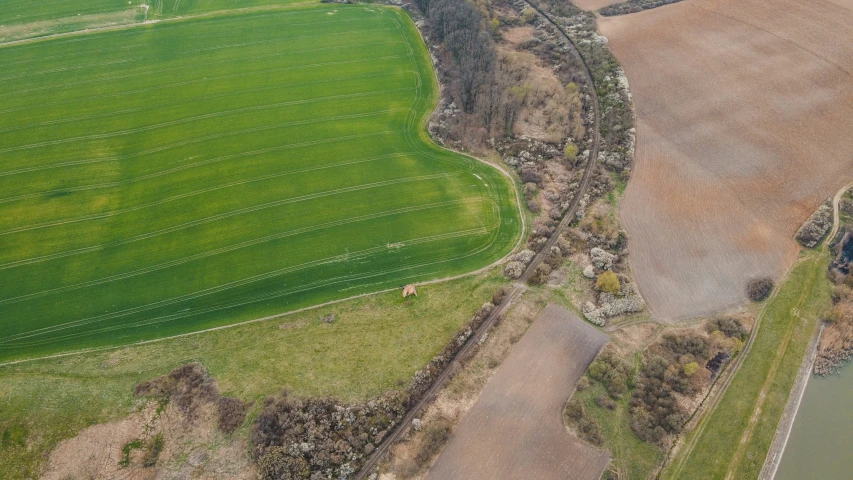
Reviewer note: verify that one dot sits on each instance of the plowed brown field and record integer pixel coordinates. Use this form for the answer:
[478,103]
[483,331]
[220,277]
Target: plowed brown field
[744,126]
[515,430]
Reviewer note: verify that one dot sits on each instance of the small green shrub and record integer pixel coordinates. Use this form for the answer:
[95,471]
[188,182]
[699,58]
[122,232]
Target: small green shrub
[608,282]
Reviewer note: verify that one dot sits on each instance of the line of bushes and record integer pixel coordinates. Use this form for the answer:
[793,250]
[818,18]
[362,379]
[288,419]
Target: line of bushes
[633,6]
[325,438]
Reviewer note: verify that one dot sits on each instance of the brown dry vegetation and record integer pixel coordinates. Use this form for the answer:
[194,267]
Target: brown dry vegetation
[748,131]
[181,430]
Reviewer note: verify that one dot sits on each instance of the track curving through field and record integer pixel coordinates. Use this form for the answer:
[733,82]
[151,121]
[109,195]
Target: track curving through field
[518,288]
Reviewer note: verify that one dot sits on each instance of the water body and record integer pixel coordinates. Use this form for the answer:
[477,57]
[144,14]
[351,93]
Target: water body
[821,442]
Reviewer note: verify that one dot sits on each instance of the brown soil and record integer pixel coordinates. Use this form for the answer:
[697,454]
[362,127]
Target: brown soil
[745,125]
[515,430]
[191,449]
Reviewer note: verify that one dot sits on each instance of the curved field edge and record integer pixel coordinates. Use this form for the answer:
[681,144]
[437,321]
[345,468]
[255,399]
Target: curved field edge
[733,439]
[502,189]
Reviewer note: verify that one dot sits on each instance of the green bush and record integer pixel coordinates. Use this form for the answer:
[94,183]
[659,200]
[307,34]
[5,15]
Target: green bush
[571,151]
[608,282]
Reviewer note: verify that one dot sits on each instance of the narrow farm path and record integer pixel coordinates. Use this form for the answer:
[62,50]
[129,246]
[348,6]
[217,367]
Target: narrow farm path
[836,216]
[518,288]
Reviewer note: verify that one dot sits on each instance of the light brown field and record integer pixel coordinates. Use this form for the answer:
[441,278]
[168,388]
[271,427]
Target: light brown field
[515,430]
[744,126]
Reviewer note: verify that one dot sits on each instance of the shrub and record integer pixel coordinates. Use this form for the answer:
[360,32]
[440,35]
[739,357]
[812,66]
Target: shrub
[436,434]
[582,383]
[655,411]
[293,438]
[608,282]
[187,387]
[590,430]
[575,410]
[690,368]
[540,275]
[612,371]
[687,342]
[232,413]
[604,401]
[730,326]
[571,152]
[759,288]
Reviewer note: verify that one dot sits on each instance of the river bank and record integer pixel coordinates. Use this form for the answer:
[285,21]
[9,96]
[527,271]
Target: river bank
[789,415]
[819,443]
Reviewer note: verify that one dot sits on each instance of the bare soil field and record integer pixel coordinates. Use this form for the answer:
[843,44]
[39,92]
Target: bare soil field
[515,429]
[744,126]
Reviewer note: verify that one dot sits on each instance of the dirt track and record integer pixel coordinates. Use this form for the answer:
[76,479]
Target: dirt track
[515,430]
[744,126]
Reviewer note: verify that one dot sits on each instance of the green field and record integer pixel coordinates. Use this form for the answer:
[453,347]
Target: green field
[762,384]
[173,177]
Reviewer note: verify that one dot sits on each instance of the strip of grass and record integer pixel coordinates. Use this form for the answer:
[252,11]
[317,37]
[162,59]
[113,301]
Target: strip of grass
[192,174]
[786,325]
[375,343]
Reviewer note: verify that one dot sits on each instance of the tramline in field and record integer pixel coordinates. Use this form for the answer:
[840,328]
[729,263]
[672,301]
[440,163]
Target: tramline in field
[163,179]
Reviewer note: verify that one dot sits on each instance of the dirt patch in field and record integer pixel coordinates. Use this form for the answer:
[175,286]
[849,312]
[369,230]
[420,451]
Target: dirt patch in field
[744,126]
[516,430]
[161,440]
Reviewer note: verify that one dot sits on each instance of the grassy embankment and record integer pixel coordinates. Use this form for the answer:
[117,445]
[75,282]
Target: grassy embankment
[186,175]
[736,435]
[375,343]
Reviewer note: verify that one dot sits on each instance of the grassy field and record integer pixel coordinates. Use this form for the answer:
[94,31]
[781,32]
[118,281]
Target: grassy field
[191,174]
[735,436]
[375,343]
